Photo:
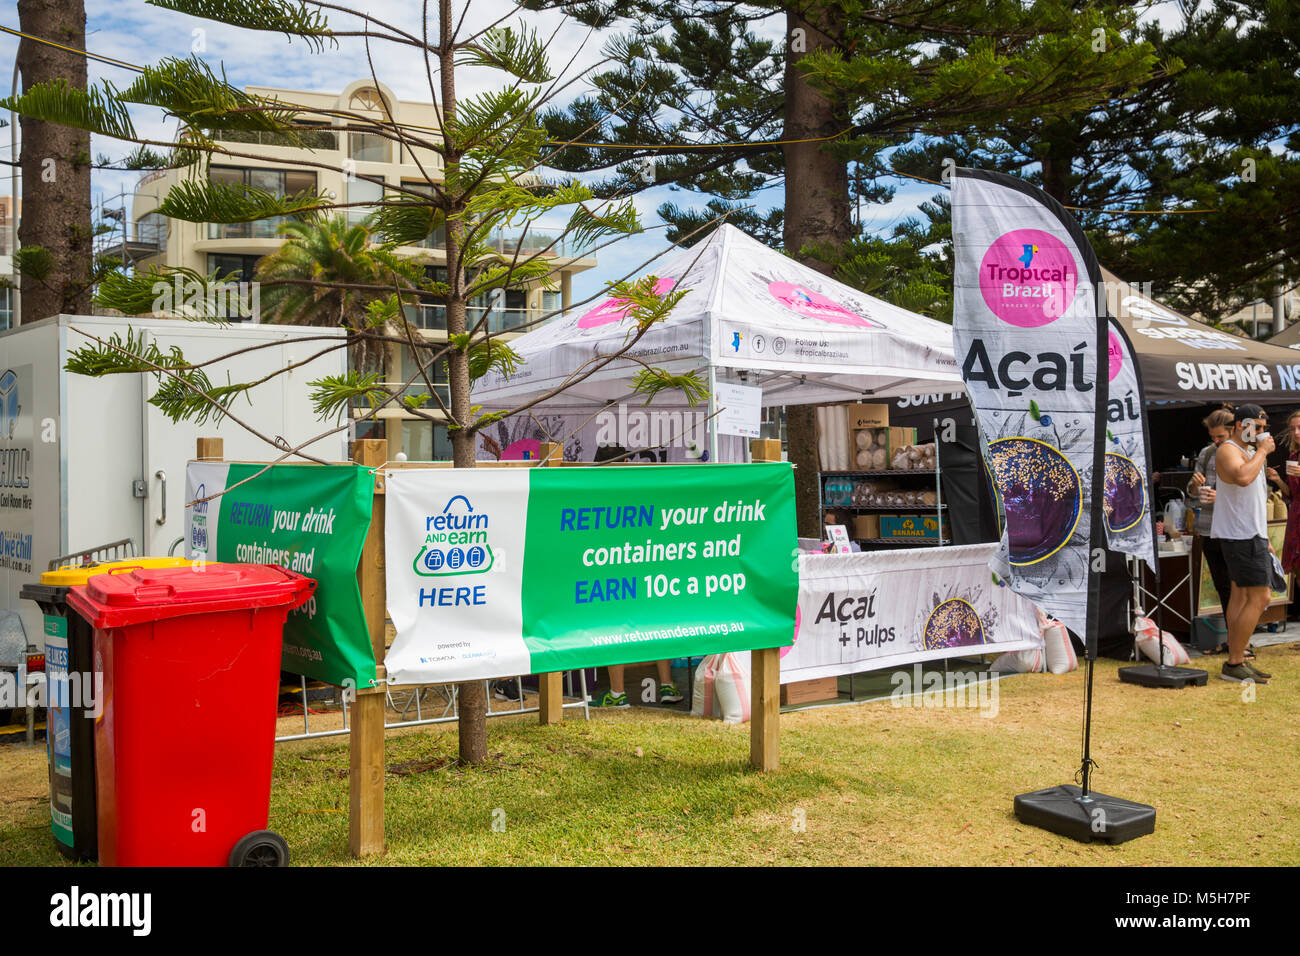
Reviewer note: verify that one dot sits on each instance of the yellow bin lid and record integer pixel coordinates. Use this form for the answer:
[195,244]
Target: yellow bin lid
[73,575]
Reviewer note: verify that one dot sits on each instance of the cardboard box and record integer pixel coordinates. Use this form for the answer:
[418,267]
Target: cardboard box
[807,691]
[898,437]
[765,449]
[868,416]
[866,526]
[919,526]
[873,454]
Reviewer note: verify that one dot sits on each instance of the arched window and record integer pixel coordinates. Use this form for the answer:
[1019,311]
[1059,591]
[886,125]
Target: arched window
[369,98]
[368,147]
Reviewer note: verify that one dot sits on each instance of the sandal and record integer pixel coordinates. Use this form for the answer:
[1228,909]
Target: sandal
[1221,649]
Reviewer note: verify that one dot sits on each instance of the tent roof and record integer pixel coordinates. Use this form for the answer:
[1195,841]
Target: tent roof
[1189,362]
[758,317]
[1288,338]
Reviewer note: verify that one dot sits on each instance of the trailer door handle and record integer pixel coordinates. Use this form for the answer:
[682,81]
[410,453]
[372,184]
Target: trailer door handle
[162,476]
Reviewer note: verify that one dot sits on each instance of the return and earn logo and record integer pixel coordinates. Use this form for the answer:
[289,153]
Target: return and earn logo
[454,543]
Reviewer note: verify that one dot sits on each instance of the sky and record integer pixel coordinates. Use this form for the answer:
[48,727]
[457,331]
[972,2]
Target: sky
[136,32]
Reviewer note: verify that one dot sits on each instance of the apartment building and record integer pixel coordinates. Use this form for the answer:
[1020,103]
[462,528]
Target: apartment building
[269,163]
[8,242]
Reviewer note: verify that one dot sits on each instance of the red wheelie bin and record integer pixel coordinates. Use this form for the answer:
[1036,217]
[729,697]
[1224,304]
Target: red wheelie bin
[184,745]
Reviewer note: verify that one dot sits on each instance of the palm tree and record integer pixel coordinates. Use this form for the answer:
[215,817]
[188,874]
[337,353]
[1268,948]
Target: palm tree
[311,280]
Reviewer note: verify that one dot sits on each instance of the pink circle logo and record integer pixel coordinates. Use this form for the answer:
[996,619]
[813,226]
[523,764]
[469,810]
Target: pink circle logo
[1115,353]
[795,639]
[615,310]
[814,305]
[1028,278]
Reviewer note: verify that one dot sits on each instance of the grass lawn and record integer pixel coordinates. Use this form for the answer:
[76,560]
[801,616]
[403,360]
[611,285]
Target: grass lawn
[870,783]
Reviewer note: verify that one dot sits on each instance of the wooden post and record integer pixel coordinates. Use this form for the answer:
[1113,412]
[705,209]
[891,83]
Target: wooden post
[366,774]
[550,698]
[210,449]
[765,708]
[550,687]
[765,668]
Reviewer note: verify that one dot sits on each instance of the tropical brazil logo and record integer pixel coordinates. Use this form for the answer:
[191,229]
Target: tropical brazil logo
[1028,278]
[1041,496]
[812,304]
[455,541]
[615,310]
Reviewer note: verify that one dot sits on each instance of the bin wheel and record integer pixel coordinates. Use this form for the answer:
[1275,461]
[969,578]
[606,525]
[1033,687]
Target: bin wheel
[260,848]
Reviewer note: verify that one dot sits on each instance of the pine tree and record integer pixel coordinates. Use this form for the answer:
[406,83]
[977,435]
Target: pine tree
[819,113]
[1203,137]
[488,145]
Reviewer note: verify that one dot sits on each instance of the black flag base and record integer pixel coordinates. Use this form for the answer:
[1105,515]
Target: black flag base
[1163,675]
[1065,811]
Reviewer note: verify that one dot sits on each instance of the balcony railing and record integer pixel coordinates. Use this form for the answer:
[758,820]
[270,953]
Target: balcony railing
[434,317]
[257,229]
[533,242]
[314,139]
[419,388]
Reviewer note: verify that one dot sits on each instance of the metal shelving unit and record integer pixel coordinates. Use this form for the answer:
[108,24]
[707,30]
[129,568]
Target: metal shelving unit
[937,509]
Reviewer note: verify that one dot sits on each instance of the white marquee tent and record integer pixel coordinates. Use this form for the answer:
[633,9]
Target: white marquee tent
[752,315]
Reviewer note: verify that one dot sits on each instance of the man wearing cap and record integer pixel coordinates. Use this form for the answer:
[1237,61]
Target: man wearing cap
[1240,524]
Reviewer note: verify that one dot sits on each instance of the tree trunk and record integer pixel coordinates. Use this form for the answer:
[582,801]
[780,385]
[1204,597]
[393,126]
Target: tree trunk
[801,432]
[817,210]
[817,207]
[55,166]
[1058,161]
[471,696]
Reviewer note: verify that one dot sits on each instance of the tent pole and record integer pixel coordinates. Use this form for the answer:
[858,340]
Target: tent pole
[713,413]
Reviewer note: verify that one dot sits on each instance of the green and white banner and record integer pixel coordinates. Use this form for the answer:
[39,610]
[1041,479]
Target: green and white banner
[497,572]
[311,519]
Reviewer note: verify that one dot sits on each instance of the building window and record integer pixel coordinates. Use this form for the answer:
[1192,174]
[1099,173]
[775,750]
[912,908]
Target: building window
[425,441]
[516,309]
[152,228]
[278,182]
[437,373]
[368,147]
[552,302]
[6,308]
[363,191]
[429,315]
[438,238]
[243,267]
[369,98]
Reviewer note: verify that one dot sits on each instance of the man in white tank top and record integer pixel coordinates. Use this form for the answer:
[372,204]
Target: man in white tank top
[1241,524]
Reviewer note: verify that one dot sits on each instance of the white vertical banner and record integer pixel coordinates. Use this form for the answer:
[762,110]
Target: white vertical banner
[202,479]
[1030,343]
[1127,507]
[454,561]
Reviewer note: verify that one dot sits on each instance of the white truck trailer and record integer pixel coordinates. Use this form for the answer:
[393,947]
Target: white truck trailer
[87,461]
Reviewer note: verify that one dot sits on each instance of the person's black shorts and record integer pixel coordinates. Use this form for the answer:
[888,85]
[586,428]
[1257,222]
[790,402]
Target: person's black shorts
[1247,561]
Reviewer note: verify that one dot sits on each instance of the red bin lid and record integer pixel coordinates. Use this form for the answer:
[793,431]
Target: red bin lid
[140,595]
